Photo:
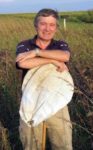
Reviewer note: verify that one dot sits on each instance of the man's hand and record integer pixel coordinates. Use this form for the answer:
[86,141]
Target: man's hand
[30,60]
[61,66]
[26,55]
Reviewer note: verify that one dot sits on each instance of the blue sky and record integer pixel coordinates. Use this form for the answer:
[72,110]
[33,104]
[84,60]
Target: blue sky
[20,6]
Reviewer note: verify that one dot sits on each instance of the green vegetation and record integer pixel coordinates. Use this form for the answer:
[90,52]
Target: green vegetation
[79,35]
[82,16]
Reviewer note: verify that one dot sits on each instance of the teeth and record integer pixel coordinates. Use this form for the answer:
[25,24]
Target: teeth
[47,34]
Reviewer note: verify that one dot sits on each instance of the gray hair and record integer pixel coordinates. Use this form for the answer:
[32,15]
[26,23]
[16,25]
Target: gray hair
[45,13]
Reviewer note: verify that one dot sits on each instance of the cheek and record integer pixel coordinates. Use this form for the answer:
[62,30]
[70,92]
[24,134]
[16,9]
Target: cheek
[53,30]
[40,30]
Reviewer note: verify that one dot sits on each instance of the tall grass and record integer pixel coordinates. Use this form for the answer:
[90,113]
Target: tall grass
[79,35]
[14,29]
[20,27]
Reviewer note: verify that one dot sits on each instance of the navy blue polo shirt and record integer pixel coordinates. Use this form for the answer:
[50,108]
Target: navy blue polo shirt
[30,44]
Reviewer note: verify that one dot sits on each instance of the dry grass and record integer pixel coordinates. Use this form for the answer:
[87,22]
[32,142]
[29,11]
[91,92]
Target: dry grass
[80,38]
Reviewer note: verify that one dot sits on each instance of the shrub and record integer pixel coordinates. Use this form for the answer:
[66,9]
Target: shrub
[88,17]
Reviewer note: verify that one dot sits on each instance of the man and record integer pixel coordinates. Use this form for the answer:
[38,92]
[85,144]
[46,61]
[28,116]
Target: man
[42,50]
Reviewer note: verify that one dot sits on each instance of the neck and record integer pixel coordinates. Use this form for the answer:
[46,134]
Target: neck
[42,43]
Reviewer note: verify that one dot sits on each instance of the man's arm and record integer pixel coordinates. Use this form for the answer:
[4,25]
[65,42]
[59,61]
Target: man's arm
[29,59]
[34,62]
[58,55]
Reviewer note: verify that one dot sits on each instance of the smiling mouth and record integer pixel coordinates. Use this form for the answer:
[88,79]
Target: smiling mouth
[47,34]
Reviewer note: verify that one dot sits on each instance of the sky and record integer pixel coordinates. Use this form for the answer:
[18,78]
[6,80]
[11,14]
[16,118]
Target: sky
[29,6]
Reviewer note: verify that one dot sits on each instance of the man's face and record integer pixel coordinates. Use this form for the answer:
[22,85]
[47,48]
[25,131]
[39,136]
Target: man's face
[46,27]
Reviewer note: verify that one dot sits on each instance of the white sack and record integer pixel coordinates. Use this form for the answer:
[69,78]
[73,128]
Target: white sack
[44,92]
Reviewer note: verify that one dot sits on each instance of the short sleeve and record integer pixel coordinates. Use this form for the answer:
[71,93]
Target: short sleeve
[63,46]
[22,47]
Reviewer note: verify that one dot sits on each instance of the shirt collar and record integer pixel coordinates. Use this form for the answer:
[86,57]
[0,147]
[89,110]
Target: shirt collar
[33,42]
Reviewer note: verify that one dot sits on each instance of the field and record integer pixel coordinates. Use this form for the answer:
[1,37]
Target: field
[79,35]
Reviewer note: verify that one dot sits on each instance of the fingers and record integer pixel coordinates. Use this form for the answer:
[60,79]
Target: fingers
[61,67]
[20,57]
[26,55]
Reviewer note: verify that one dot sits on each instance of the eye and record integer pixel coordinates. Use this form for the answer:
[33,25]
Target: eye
[53,25]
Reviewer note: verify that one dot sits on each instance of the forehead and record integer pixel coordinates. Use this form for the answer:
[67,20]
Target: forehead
[48,19]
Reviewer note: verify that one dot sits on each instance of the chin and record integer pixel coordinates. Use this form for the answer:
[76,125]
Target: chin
[47,38]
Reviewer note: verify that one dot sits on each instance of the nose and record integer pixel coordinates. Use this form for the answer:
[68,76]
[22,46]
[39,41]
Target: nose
[47,28]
